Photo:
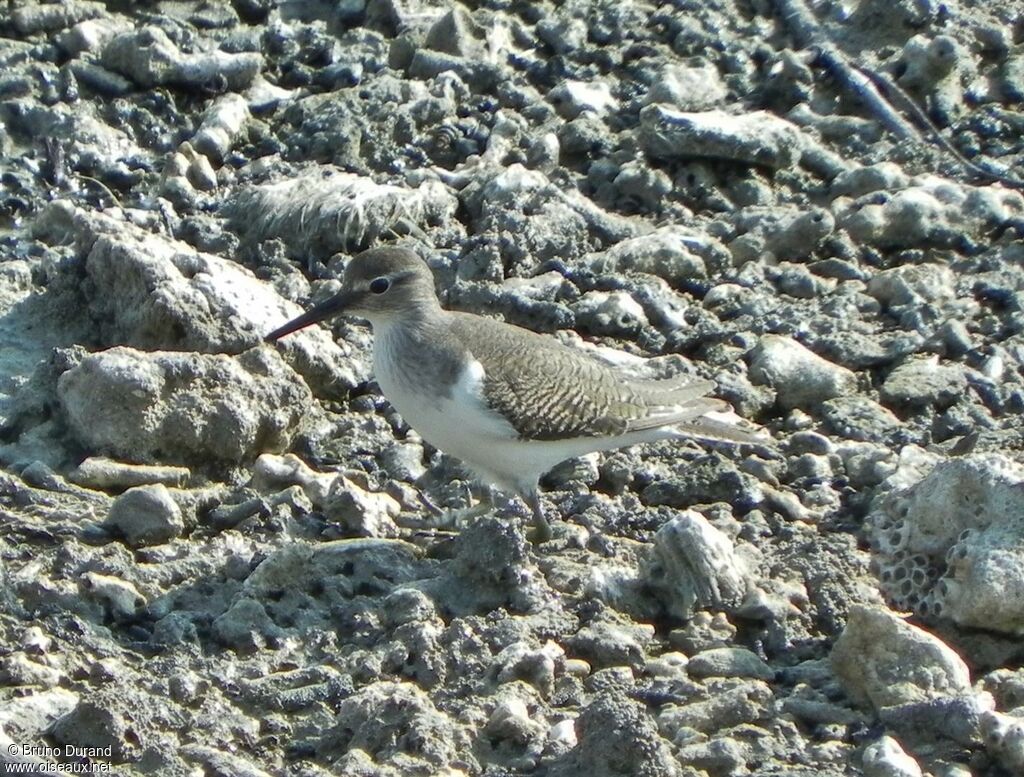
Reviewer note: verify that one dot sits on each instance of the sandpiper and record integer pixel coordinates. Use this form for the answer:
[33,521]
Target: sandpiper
[508,402]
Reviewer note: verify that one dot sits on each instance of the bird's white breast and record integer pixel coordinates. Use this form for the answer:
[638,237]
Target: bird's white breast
[453,418]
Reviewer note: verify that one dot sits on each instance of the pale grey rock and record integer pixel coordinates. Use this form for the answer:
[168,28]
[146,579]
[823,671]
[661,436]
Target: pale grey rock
[550,223]
[710,478]
[118,598]
[799,376]
[891,19]
[885,758]
[704,632]
[638,187]
[787,234]
[1012,80]
[478,74]
[158,294]
[300,574]
[688,87]
[515,730]
[361,512]
[573,98]
[531,664]
[165,407]
[919,382]
[883,661]
[671,252]
[466,618]
[563,35]
[818,711]
[866,464]
[617,737]
[694,565]
[150,58]
[200,172]
[18,669]
[798,281]
[90,34]
[859,418]
[29,717]
[216,761]
[721,755]
[271,473]
[246,626]
[925,62]
[417,735]
[754,138]
[956,718]
[611,679]
[956,337]
[670,666]
[931,211]
[175,629]
[404,461]
[108,474]
[613,313]
[583,469]
[456,33]
[221,125]
[100,721]
[31,18]
[610,644]
[932,69]
[913,285]
[869,178]
[729,662]
[734,703]
[859,351]
[146,515]
[35,641]
[1004,739]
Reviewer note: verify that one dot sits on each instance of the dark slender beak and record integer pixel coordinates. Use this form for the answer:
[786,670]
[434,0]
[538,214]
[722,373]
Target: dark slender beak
[326,309]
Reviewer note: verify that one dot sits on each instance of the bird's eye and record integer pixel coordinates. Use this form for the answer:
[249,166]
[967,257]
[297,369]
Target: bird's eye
[380,285]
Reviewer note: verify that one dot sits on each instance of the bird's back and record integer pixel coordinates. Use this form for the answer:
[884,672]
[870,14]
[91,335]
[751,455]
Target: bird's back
[550,391]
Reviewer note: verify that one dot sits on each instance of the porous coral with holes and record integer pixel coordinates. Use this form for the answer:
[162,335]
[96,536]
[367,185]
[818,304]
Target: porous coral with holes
[948,539]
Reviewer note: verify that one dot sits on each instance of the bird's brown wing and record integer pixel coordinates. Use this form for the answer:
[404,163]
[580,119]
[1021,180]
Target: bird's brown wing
[548,391]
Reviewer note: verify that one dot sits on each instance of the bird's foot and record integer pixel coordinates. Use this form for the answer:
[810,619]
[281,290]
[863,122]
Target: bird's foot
[454,520]
[499,504]
[541,531]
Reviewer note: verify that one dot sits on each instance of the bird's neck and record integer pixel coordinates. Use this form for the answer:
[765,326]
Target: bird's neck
[416,355]
[419,322]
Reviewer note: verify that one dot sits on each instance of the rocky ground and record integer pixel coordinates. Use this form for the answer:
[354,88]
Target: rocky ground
[216,555]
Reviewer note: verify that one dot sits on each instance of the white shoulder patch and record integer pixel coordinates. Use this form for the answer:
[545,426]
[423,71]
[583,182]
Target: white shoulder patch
[473,374]
[468,393]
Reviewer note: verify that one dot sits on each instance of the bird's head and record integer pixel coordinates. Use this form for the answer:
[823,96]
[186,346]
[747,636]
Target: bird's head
[380,285]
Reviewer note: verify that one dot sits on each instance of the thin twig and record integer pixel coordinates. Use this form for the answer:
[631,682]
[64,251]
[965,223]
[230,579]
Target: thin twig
[896,93]
[876,91]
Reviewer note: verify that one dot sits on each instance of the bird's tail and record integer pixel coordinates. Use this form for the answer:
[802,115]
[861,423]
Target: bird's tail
[680,402]
[716,430]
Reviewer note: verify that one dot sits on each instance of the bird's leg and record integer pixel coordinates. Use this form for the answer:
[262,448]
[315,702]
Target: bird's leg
[501,501]
[504,503]
[541,527]
[495,499]
[484,505]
